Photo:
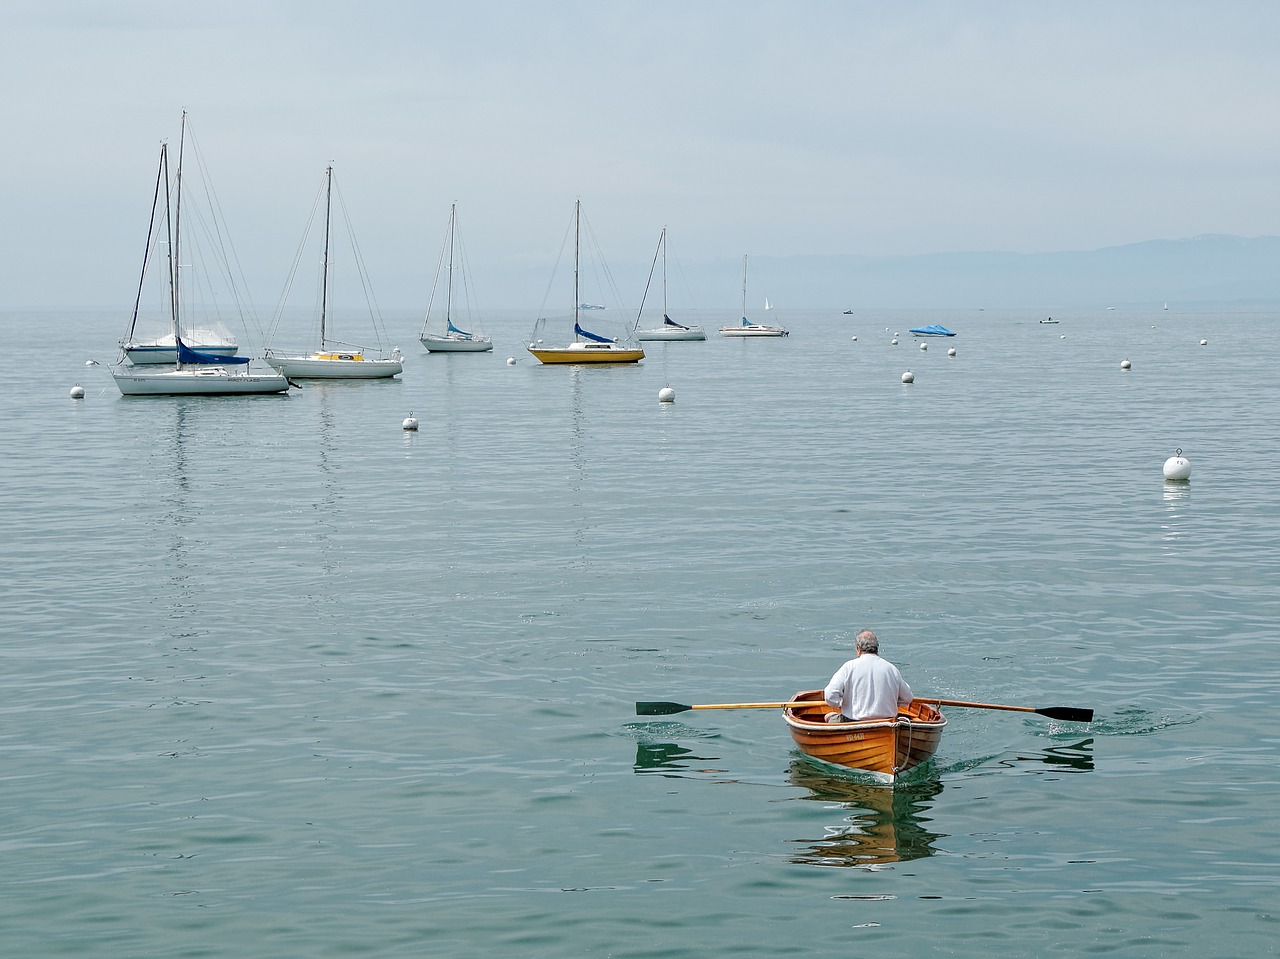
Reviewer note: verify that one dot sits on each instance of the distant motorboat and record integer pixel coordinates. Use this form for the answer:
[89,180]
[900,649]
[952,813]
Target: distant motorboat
[1049,320]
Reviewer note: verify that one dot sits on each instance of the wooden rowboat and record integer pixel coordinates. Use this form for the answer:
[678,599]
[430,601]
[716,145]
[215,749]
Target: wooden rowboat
[885,748]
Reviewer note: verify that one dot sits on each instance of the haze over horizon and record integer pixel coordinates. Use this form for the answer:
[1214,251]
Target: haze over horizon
[780,130]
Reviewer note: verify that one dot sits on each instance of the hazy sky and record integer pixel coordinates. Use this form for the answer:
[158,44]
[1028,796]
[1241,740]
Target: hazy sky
[745,126]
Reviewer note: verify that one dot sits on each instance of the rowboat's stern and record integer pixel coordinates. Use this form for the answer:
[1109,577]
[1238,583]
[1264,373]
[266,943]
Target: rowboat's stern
[885,748]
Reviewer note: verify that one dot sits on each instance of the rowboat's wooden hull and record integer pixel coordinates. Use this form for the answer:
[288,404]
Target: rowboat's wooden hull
[885,748]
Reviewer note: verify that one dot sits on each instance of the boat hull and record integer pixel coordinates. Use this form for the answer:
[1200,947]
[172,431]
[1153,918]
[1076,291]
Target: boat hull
[587,353]
[884,748]
[161,350]
[335,366]
[155,355]
[456,344]
[754,330]
[694,333]
[198,381]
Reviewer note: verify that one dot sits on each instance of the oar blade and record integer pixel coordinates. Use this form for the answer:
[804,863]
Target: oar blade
[660,709]
[1071,714]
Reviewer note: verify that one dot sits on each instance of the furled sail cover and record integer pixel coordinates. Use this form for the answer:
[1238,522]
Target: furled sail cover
[454,329]
[188,355]
[668,321]
[591,336]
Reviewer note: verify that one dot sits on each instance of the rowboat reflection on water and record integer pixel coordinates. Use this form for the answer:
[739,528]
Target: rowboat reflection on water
[884,825]
[883,748]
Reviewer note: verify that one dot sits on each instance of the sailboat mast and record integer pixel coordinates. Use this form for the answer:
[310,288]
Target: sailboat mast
[324,263]
[448,299]
[744,289]
[175,242]
[577,230]
[663,240]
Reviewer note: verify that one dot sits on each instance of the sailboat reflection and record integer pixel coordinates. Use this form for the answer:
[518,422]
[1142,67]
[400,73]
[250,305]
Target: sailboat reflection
[886,823]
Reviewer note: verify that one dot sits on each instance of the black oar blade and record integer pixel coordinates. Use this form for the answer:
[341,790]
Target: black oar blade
[1069,713]
[660,709]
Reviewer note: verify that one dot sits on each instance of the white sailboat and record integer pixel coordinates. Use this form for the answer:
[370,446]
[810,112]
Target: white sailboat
[586,346]
[143,350]
[451,339]
[189,372]
[746,327]
[670,329]
[333,359]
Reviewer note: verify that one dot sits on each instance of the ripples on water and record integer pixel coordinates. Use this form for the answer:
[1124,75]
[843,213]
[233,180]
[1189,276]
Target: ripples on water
[280,679]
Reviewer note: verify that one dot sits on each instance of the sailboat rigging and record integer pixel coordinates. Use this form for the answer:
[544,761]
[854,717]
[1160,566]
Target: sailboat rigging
[451,339]
[746,327]
[586,346]
[670,329]
[332,360]
[193,372]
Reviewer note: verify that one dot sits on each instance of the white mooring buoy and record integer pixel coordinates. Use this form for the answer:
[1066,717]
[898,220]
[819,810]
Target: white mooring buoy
[511,361]
[410,423]
[893,342]
[924,346]
[666,395]
[77,392]
[1204,342]
[1125,364]
[951,352]
[1177,468]
[908,377]
[855,339]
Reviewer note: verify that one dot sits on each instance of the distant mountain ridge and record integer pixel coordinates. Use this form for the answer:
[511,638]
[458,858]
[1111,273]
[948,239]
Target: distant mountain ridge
[1202,269]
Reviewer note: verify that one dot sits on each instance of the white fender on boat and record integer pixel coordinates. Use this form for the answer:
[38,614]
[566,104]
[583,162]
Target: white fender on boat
[1177,468]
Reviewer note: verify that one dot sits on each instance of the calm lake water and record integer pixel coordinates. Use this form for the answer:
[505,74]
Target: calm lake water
[280,679]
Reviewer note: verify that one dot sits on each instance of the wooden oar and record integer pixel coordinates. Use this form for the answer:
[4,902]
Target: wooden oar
[1069,713]
[666,709]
